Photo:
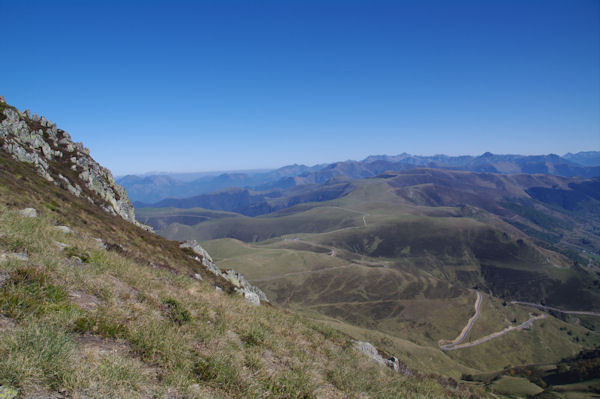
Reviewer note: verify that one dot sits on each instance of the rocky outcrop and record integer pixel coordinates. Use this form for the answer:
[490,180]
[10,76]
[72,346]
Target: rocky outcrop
[35,140]
[391,362]
[251,293]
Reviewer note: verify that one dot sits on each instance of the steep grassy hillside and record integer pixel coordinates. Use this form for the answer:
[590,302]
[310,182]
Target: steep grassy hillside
[85,320]
[404,309]
[95,306]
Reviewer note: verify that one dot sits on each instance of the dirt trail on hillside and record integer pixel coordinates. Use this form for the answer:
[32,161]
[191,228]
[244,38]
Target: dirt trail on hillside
[465,331]
[302,272]
[364,214]
[487,338]
[542,307]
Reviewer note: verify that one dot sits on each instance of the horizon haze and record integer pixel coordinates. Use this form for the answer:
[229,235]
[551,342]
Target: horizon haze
[193,86]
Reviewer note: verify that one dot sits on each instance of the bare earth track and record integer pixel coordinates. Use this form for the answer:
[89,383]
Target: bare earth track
[487,338]
[465,331]
[542,307]
[457,343]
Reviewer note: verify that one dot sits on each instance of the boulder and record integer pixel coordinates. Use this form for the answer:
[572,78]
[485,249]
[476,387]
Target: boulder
[60,244]
[251,298]
[21,256]
[64,229]
[373,353]
[29,212]
[370,351]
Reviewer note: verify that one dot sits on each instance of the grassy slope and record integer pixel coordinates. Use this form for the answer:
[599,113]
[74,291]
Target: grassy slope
[354,299]
[431,254]
[130,322]
[410,299]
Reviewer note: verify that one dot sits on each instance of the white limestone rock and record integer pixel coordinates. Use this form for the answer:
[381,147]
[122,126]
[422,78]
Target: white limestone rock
[29,212]
[64,229]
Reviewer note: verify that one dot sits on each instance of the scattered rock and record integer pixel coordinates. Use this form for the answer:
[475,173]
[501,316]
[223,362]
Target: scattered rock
[373,353]
[29,212]
[251,298]
[101,345]
[22,256]
[198,277]
[194,246]
[83,300]
[370,351]
[60,244]
[100,243]
[249,291]
[218,289]
[393,363]
[64,229]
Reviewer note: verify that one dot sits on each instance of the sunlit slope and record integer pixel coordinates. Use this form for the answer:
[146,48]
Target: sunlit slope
[127,319]
[406,304]
[396,261]
[388,218]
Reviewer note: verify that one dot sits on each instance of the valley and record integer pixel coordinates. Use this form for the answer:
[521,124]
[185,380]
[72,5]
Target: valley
[395,261]
[300,199]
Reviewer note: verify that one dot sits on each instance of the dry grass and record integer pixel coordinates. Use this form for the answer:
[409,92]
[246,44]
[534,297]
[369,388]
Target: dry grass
[112,326]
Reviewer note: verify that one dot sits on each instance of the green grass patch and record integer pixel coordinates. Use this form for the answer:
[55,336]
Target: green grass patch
[52,205]
[29,292]
[515,386]
[37,354]
[254,335]
[176,312]
[100,325]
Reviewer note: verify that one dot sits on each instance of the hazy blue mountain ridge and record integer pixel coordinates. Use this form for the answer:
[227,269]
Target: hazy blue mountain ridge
[154,188]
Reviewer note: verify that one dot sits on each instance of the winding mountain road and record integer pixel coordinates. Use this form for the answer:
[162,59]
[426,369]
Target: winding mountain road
[487,338]
[465,331]
[457,343]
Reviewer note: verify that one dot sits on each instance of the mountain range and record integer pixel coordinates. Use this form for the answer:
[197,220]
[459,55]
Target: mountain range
[393,249]
[147,189]
[360,281]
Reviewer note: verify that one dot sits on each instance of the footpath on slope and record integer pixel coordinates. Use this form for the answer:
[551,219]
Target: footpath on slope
[465,331]
[542,307]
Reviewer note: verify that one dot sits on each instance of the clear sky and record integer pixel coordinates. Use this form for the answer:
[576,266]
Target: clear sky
[222,85]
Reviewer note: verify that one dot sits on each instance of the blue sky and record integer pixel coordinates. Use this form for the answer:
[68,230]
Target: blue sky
[224,85]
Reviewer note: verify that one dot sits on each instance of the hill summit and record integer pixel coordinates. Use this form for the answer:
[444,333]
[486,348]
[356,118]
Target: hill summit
[34,139]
